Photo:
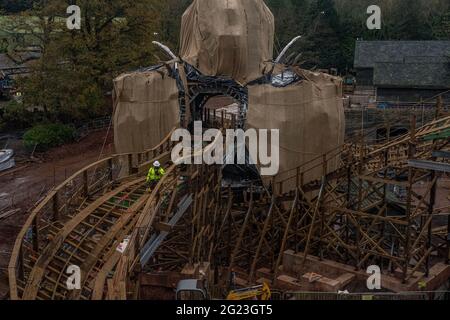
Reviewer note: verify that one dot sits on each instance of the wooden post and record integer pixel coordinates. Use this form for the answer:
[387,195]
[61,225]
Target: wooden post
[430,213]
[359,205]
[130,164]
[325,165]
[448,241]
[274,186]
[36,234]
[409,204]
[423,111]
[56,216]
[285,236]
[110,168]
[85,183]
[261,240]
[21,263]
[349,200]
[439,107]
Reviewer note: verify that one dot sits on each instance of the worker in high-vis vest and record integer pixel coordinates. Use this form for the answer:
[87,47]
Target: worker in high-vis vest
[155,173]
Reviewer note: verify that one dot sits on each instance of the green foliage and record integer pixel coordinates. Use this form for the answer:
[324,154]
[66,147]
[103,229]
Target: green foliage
[72,79]
[15,116]
[170,21]
[75,74]
[441,26]
[330,27]
[14,6]
[48,136]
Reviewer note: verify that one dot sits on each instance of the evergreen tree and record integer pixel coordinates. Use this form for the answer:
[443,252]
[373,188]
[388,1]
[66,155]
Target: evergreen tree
[410,21]
[171,12]
[290,20]
[322,36]
[77,67]
[441,26]
[15,6]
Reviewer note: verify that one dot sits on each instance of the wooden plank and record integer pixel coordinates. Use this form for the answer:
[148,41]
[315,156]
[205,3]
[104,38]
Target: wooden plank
[89,263]
[9,213]
[38,271]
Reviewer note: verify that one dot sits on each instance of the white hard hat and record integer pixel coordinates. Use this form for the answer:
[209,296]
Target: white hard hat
[156,164]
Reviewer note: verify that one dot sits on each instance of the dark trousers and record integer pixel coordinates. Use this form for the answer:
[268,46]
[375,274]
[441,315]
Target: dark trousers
[152,184]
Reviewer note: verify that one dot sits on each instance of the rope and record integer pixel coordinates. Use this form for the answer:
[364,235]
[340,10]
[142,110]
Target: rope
[106,139]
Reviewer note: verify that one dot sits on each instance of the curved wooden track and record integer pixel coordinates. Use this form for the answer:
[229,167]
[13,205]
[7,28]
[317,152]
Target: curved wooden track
[187,219]
[81,223]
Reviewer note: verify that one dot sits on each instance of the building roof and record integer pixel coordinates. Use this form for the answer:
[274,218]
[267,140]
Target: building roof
[368,53]
[406,63]
[412,75]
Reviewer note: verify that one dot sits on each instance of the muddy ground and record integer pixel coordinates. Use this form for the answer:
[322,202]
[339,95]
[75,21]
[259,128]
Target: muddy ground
[23,188]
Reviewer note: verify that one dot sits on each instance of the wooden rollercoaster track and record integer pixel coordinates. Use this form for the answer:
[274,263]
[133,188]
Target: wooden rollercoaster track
[70,213]
[345,220]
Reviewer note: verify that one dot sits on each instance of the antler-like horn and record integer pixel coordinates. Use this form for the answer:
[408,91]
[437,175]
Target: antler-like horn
[165,49]
[290,44]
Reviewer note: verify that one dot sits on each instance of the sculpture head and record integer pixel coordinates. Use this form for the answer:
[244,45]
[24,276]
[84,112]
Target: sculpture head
[228,38]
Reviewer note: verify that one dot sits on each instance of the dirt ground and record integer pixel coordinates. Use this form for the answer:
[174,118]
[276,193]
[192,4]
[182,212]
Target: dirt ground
[23,188]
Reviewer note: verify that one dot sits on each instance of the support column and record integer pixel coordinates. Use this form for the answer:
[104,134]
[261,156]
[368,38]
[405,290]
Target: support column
[411,155]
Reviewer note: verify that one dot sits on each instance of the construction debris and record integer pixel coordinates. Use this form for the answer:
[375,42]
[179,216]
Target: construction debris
[6,159]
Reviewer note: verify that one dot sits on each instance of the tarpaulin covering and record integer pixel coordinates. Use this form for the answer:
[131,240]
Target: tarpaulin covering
[310,116]
[6,159]
[146,108]
[228,38]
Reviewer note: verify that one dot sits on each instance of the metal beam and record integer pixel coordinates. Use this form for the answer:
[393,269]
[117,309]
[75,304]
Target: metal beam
[430,165]
[441,154]
[155,241]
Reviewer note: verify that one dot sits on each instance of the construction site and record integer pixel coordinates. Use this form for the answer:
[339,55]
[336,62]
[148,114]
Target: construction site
[357,189]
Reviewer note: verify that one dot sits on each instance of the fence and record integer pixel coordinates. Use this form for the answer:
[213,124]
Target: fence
[92,126]
[332,296]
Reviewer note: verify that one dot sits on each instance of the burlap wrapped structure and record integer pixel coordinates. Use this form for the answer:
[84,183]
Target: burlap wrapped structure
[309,115]
[146,110]
[228,38]
[234,38]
